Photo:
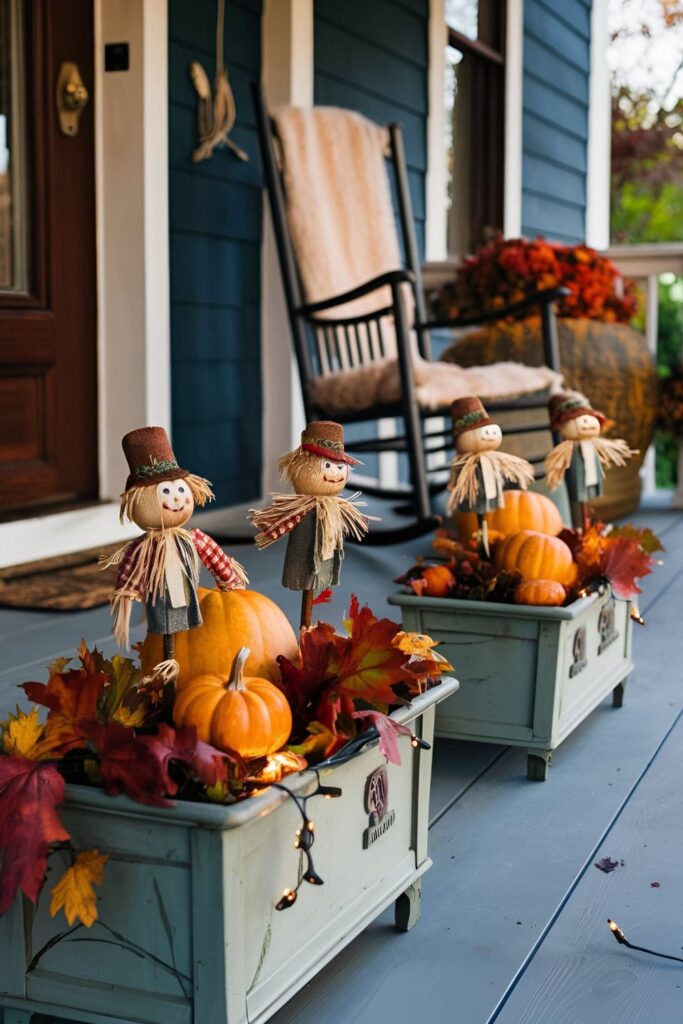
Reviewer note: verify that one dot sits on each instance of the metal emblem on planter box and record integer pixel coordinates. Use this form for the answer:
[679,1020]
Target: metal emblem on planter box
[606,625]
[377,804]
[579,652]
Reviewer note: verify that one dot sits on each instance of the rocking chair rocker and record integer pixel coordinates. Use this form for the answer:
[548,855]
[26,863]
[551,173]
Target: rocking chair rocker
[325,345]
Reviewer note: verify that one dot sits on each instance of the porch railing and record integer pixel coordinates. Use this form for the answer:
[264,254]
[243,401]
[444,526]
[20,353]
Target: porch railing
[645,263]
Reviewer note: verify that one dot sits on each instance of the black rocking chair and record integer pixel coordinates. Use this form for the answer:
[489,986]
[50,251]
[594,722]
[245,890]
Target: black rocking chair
[317,341]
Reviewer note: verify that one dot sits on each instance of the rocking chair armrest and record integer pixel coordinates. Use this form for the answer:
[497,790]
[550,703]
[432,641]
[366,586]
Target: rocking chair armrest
[540,298]
[393,277]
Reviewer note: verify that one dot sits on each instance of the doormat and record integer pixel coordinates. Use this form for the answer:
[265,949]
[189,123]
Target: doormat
[66,584]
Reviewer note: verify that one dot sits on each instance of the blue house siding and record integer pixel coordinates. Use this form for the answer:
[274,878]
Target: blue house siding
[555,118]
[372,57]
[215,238]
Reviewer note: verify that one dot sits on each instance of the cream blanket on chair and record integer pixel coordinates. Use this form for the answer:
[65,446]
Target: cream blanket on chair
[343,230]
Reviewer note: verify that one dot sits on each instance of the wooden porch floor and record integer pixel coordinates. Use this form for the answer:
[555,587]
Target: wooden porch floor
[514,916]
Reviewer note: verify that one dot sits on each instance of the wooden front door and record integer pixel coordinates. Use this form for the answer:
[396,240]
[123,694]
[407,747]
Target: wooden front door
[48,383]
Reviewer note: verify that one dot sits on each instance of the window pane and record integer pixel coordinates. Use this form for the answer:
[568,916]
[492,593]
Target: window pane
[458,128]
[463,15]
[12,162]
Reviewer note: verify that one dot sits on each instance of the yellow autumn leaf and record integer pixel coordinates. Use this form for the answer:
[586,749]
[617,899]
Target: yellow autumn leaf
[415,643]
[74,892]
[132,717]
[21,734]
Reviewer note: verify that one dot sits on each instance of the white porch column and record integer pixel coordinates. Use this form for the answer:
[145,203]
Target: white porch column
[287,68]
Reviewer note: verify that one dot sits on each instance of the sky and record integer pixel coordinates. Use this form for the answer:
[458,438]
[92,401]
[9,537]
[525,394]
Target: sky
[642,62]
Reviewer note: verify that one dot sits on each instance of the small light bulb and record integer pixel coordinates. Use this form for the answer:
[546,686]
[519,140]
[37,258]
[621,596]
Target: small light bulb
[310,826]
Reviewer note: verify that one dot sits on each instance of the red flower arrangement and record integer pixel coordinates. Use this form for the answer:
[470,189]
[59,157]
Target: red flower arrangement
[505,271]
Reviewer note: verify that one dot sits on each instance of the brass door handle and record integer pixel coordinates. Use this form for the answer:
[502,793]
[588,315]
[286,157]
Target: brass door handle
[72,96]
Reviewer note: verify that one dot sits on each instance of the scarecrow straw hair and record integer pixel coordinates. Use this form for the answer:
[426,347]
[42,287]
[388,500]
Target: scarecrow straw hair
[610,453]
[464,482]
[293,462]
[200,488]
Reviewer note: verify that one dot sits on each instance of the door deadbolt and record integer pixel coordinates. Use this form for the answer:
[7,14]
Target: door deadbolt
[72,96]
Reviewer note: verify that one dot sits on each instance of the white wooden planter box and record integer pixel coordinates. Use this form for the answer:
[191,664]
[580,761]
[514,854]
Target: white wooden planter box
[529,675]
[196,887]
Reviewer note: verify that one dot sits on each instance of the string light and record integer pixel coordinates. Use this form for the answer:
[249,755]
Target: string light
[623,941]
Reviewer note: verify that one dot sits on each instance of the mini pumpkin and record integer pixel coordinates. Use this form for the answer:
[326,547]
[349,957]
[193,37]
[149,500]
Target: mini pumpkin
[536,555]
[523,510]
[231,619]
[246,714]
[438,580]
[540,592]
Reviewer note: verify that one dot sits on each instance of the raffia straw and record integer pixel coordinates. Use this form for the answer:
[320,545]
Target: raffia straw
[610,452]
[464,484]
[337,518]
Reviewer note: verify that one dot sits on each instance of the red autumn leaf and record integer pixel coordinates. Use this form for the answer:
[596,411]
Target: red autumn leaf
[331,708]
[320,652]
[126,764]
[319,744]
[324,597]
[205,762]
[30,792]
[389,732]
[622,562]
[646,538]
[371,665]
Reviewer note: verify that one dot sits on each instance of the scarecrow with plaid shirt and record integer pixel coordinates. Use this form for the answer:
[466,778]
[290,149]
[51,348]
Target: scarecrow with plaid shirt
[161,568]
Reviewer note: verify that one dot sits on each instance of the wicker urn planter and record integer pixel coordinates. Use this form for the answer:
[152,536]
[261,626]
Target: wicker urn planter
[608,362]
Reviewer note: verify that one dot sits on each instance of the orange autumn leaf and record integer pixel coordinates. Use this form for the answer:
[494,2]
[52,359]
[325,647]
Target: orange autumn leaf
[74,892]
[372,665]
[72,697]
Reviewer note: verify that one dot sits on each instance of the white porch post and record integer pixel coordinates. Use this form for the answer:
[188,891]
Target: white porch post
[514,81]
[287,67]
[599,135]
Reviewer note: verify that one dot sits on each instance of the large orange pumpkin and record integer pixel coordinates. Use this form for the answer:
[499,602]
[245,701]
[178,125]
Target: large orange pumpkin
[524,510]
[246,714]
[536,555]
[540,592]
[232,619]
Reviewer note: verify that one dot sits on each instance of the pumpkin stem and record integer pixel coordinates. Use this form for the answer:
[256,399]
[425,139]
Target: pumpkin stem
[236,681]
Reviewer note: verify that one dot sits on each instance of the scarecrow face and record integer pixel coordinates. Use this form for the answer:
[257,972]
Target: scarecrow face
[320,477]
[581,428]
[169,503]
[483,439]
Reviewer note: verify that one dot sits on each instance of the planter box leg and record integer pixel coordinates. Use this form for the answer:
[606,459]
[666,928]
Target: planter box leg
[537,765]
[408,907]
[618,694]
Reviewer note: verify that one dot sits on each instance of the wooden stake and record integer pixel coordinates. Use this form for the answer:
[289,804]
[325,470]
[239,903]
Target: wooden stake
[585,516]
[306,608]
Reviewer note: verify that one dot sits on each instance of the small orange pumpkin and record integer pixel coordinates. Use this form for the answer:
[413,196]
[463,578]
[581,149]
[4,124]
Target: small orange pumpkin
[246,714]
[524,510]
[540,592]
[438,580]
[536,555]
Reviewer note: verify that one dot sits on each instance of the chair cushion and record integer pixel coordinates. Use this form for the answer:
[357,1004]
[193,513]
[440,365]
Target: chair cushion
[437,384]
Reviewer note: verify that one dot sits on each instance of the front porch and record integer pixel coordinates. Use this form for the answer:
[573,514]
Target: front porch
[514,912]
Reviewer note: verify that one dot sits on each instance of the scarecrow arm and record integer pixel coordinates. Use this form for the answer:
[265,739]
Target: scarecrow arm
[226,571]
[126,569]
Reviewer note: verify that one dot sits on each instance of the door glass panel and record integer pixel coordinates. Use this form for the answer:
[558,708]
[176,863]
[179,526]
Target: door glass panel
[13,234]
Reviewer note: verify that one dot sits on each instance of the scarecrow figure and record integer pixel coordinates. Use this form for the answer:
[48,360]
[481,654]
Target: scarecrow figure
[316,518]
[478,469]
[582,454]
[161,568]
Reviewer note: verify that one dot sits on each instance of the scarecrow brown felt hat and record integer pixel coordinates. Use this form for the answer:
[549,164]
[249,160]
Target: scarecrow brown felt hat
[563,407]
[326,439]
[150,457]
[468,414]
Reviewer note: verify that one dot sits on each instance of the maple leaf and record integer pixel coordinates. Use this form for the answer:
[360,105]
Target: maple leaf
[206,763]
[124,679]
[646,537]
[71,697]
[126,764]
[371,665]
[21,734]
[324,597]
[622,563]
[30,792]
[320,744]
[388,731]
[320,653]
[74,892]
